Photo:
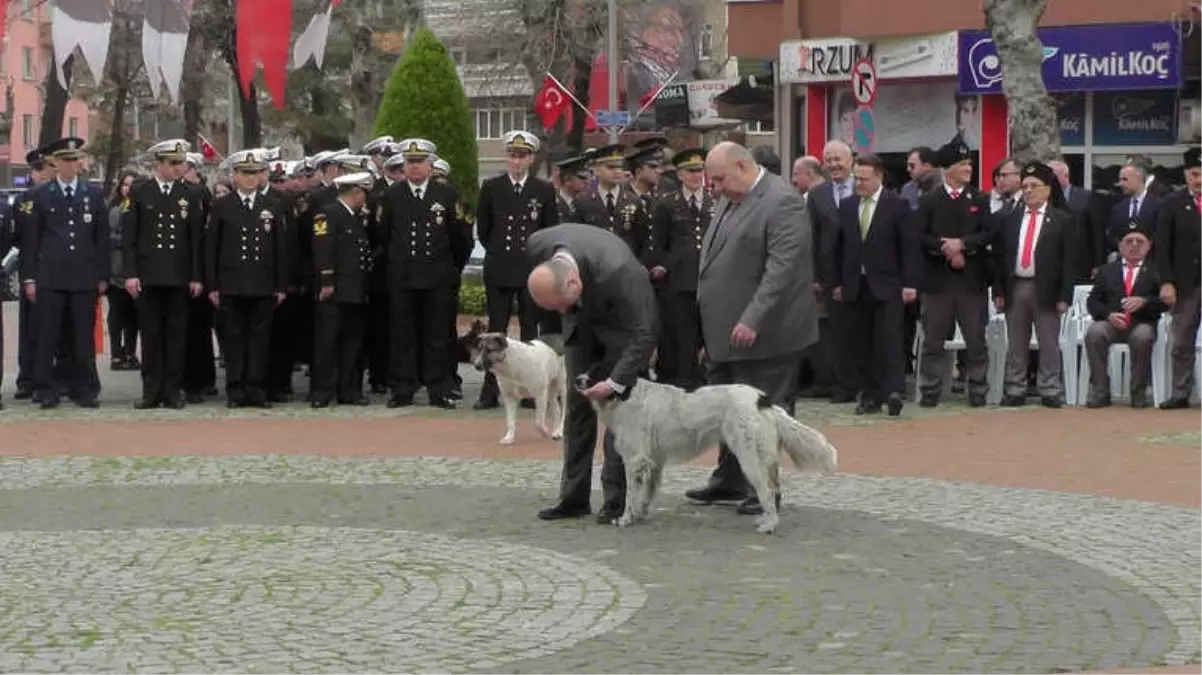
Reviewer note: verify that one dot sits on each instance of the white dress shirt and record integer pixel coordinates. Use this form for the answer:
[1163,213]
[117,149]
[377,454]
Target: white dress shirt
[415,188]
[1028,272]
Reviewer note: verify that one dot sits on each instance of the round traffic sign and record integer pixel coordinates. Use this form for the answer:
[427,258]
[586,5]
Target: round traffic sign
[863,82]
[863,130]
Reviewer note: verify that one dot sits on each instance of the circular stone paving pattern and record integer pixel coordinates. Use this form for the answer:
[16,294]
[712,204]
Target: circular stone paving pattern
[294,599]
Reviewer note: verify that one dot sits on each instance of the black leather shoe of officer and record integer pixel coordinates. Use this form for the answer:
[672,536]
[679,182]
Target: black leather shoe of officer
[486,403]
[1051,402]
[895,404]
[174,403]
[400,401]
[354,401]
[320,403]
[929,401]
[1175,404]
[444,402]
[49,403]
[146,404]
[87,401]
[610,513]
[562,511]
[752,507]
[715,493]
[868,407]
[1010,401]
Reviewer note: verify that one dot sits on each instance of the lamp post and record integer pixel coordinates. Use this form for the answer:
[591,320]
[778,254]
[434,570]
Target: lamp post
[611,59]
[6,129]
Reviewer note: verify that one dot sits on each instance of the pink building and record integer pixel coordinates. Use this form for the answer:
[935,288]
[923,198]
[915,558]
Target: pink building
[27,56]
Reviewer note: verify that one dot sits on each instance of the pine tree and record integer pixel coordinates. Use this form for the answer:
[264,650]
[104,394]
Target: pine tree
[425,99]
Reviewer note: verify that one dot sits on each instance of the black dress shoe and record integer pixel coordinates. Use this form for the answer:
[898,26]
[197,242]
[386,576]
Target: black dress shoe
[23,394]
[146,404]
[895,405]
[444,402]
[562,511]
[976,400]
[1175,404]
[867,407]
[528,404]
[175,404]
[752,507]
[716,493]
[319,404]
[1010,401]
[1140,401]
[843,398]
[210,391]
[1051,402]
[194,397]
[486,404]
[232,403]
[400,401]
[49,403]
[354,401]
[87,402]
[1095,403]
[278,397]
[610,513]
[928,401]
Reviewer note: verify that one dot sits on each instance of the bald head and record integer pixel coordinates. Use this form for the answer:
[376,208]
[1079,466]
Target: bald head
[555,284]
[731,169]
[807,173]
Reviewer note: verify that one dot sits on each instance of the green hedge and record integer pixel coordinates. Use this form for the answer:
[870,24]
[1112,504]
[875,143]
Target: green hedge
[425,99]
[471,298]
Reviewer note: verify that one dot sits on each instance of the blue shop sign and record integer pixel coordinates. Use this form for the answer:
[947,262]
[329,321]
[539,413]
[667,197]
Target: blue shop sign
[1115,57]
[1135,118]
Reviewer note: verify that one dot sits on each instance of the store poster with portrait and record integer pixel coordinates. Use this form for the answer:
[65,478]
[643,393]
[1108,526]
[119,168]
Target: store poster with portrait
[909,115]
[660,38]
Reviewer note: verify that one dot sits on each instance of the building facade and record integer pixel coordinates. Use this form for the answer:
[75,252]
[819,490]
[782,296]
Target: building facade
[26,58]
[1125,76]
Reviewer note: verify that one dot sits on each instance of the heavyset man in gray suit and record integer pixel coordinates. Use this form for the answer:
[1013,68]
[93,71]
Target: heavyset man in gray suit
[604,294]
[757,311]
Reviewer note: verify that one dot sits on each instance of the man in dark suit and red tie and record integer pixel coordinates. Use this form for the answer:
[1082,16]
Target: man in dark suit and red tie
[1034,284]
[1125,305]
[875,269]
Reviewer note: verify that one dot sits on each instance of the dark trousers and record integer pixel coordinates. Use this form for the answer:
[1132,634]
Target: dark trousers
[500,301]
[880,364]
[774,376]
[247,343]
[377,340]
[26,343]
[52,308]
[418,324]
[683,323]
[816,375]
[580,438]
[122,322]
[163,312]
[200,369]
[286,324]
[667,365]
[337,351]
[840,322]
[941,311]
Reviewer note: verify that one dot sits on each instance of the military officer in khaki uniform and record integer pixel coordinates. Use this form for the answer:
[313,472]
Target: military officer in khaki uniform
[680,220]
[613,205]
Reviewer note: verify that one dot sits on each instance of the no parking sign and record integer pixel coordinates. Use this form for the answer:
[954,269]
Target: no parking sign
[864,130]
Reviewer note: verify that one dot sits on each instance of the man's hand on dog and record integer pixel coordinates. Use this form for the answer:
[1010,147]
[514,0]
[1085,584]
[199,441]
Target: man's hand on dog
[599,391]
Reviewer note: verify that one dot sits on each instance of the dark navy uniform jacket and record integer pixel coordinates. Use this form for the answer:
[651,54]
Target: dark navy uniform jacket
[65,242]
[342,253]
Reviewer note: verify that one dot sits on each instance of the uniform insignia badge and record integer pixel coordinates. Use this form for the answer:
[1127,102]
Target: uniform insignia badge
[87,217]
[627,216]
[125,205]
[266,216]
[379,213]
[320,227]
[27,207]
[534,208]
[439,212]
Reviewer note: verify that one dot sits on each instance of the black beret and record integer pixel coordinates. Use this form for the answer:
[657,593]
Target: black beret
[35,157]
[1193,158]
[1040,171]
[1134,226]
[953,153]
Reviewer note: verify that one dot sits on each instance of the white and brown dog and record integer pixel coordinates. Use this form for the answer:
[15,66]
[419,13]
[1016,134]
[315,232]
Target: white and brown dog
[523,370]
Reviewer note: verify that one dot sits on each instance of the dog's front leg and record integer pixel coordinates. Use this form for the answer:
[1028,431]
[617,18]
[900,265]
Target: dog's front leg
[557,409]
[511,419]
[634,489]
[540,414]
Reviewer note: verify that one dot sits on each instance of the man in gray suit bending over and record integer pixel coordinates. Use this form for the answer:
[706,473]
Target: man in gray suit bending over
[757,312]
[592,278]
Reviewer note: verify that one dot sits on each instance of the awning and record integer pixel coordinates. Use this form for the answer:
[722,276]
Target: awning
[749,100]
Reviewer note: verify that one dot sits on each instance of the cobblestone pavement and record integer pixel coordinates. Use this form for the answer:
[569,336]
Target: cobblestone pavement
[315,564]
[367,540]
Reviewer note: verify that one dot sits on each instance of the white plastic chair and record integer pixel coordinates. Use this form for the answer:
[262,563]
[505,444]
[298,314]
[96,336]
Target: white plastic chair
[1075,364]
[1118,363]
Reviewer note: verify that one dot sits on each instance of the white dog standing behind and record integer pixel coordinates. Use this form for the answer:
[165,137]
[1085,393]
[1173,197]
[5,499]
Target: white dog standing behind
[523,369]
[658,424]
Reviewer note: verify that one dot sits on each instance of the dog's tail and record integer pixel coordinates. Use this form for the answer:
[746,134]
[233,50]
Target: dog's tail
[807,447]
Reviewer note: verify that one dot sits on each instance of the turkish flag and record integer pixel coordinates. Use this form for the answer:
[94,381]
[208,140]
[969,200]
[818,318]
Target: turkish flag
[206,148]
[551,102]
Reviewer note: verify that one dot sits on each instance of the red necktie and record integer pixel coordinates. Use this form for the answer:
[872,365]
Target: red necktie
[1029,241]
[955,194]
[1198,200]
[1129,283]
